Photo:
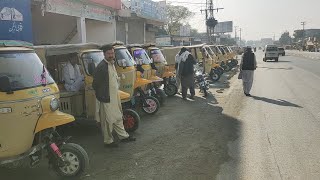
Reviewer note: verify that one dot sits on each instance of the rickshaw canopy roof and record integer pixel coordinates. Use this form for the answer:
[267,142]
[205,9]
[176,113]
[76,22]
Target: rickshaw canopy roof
[4,49]
[68,48]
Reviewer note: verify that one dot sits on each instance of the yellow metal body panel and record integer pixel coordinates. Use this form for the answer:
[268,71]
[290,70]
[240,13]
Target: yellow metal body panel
[53,119]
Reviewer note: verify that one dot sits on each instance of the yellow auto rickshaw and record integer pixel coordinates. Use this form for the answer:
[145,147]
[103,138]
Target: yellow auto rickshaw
[163,70]
[216,69]
[202,57]
[29,113]
[223,57]
[170,56]
[81,104]
[133,82]
[148,69]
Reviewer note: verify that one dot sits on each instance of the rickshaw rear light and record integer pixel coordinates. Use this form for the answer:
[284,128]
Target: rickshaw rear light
[54,104]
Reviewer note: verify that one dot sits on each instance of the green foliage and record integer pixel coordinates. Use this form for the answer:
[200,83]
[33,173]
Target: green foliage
[177,15]
[285,39]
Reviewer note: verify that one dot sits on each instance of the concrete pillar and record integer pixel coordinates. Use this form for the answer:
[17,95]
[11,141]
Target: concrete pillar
[81,27]
[127,32]
[144,32]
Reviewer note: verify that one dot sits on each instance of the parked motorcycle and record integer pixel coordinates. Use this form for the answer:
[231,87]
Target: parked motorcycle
[201,81]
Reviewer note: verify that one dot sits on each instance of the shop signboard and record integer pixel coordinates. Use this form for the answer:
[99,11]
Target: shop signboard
[78,9]
[149,9]
[16,20]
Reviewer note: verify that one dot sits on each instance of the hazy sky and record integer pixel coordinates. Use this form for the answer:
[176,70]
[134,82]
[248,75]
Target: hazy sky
[259,18]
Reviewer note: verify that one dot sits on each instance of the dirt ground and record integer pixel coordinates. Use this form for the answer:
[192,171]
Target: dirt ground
[184,140]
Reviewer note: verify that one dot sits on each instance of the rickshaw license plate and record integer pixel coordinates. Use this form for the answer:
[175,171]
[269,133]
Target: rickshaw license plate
[5,110]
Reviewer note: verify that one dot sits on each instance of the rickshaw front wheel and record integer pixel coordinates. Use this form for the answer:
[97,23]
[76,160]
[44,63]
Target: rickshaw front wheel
[151,105]
[171,89]
[131,120]
[77,161]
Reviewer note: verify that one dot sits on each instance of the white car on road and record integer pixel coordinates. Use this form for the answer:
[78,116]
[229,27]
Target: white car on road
[271,53]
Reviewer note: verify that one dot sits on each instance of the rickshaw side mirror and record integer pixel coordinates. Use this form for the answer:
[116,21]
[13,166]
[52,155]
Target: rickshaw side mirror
[91,68]
[5,85]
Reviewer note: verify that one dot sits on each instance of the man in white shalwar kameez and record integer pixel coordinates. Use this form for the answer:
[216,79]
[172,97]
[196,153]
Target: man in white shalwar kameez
[248,66]
[106,85]
[72,77]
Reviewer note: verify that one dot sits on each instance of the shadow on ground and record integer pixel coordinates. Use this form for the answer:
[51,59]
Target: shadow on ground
[278,102]
[184,140]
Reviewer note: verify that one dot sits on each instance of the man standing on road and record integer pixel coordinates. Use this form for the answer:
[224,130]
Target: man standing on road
[247,66]
[106,85]
[178,78]
[186,72]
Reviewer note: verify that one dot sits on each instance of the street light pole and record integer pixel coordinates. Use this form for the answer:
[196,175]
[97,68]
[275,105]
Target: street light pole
[235,34]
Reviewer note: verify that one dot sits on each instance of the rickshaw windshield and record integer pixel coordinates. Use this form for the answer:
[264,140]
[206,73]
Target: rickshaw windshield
[124,58]
[141,57]
[216,50]
[96,57]
[226,49]
[222,50]
[157,56]
[24,69]
[211,53]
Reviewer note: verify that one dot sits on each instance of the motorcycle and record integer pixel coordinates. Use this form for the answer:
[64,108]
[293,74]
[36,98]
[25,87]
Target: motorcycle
[200,80]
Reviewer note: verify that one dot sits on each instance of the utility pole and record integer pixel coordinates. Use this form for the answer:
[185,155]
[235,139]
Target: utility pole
[240,36]
[235,34]
[209,16]
[303,34]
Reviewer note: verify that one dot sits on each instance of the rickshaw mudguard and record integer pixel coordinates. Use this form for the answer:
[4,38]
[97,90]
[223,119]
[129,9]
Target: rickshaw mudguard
[156,79]
[168,74]
[141,82]
[123,95]
[53,119]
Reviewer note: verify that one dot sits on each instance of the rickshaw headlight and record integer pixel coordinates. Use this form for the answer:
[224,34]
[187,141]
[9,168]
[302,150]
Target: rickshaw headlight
[54,104]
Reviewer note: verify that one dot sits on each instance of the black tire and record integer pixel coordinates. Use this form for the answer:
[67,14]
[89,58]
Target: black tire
[214,76]
[221,70]
[73,150]
[170,89]
[235,62]
[264,59]
[226,68]
[153,102]
[131,120]
[205,93]
[161,96]
[277,59]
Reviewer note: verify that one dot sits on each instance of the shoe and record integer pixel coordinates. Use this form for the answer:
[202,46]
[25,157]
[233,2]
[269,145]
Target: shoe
[248,94]
[184,98]
[111,145]
[191,97]
[128,139]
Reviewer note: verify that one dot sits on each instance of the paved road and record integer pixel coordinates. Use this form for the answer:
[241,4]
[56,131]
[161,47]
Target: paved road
[280,123]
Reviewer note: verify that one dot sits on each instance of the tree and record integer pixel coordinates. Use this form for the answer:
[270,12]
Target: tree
[177,15]
[194,32]
[285,39]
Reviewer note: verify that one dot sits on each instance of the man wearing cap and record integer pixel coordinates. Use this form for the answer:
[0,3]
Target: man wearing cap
[106,86]
[247,66]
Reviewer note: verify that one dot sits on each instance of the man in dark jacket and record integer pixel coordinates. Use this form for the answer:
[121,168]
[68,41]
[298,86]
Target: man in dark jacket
[186,72]
[247,66]
[106,85]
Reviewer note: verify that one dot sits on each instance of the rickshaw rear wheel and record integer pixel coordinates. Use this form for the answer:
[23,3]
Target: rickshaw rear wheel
[77,161]
[214,76]
[131,120]
[153,105]
[170,89]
